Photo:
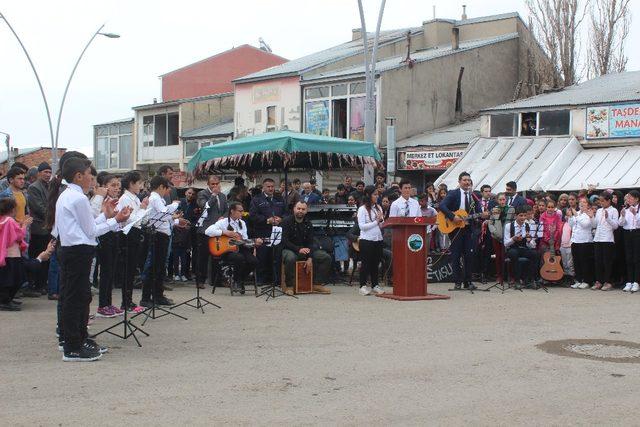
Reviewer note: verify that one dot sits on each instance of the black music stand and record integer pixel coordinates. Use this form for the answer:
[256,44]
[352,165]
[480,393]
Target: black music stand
[272,290]
[129,329]
[150,313]
[199,302]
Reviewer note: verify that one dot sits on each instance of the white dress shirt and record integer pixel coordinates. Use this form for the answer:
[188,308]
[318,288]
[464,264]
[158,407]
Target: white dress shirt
[462,197]
[217,228]
[629,221]
[518,230]
[159,214]
[74,222]
[368,223]
[96,205]
[605,226]
[581,226]
[128,199]
[405,207]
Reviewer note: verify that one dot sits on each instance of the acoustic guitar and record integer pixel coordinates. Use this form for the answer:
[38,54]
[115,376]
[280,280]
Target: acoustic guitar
[551,269]
[222,244]
[446,226]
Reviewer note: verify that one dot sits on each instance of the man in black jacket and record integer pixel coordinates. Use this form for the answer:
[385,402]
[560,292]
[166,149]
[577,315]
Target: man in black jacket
[266,212]
[297,239]
[38,194]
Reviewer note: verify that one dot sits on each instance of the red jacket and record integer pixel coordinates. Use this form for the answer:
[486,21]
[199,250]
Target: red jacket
[547,223]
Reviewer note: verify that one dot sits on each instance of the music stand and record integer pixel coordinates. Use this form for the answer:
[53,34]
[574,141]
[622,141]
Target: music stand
[199,302]
[272,290]
[129,329]
[150,313]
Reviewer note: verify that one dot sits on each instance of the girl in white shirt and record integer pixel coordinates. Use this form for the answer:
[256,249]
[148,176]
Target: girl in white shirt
[630,222]
[370,216]
[605,221]
[581,223]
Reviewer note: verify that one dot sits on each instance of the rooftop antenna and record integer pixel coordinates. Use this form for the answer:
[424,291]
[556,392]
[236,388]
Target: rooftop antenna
[464,12]
[263,45]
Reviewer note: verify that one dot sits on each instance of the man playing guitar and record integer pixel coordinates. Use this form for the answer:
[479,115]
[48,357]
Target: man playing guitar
[462,242]
[243,261]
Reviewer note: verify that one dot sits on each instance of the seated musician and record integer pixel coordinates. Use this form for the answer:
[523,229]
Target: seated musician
[232,225]
[297,240]
[520,243]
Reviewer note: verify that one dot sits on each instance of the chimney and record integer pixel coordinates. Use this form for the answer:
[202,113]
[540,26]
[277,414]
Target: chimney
[455,38]
[155,100]
[437,32]
[356,34]
[464,12]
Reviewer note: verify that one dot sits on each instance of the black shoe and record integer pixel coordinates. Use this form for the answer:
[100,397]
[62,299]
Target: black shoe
[470,286]
[92,344]
[85,354]
[31,293]
[9,307]
[146,303]
[60,345]
[457,286]
[163,301]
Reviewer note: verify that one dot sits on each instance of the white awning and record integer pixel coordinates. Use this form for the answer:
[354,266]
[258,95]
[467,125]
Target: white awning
[529,161]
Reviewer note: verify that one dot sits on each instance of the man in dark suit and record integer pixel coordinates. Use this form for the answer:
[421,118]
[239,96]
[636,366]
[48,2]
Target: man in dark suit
[513,199]
[214,208]
[267,210]
[462,242]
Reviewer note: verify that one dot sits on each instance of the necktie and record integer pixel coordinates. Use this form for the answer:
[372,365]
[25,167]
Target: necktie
[406,208]
[510,200]
[216,203]
[466,201]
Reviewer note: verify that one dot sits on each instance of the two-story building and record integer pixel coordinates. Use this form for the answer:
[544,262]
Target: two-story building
[584,135]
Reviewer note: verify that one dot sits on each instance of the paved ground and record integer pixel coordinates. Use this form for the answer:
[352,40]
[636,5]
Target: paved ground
[338,359]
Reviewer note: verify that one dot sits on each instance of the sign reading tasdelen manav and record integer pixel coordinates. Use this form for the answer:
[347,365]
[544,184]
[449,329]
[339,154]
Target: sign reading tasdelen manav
[613,121]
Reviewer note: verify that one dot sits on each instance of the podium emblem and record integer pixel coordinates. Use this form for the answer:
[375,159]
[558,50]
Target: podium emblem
[415,243]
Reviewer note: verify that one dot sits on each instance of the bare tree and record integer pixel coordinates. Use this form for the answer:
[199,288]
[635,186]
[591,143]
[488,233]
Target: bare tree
[556,26]
[610,22]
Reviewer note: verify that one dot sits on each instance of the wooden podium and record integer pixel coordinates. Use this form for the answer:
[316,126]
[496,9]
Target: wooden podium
[410,252]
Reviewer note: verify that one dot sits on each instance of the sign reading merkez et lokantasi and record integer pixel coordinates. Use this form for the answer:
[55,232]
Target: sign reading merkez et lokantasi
[613,121]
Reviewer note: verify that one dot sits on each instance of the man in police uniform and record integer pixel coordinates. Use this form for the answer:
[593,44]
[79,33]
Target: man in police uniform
[267,210]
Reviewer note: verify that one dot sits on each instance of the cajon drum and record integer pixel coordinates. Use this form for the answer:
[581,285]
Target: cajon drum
[304,279]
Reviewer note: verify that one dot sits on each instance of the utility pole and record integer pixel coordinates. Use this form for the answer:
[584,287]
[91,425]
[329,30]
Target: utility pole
[370,81]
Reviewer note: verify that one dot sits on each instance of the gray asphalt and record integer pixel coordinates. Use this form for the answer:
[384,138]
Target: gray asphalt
[337,359]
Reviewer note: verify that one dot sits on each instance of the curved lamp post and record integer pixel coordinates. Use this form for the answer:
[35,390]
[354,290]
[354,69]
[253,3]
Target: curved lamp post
[54,141]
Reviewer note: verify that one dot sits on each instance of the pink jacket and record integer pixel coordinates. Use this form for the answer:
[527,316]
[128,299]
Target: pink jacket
[10,233]
[552,221]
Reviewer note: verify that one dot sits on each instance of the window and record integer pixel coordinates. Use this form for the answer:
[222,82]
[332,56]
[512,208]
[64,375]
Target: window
[359,87]
[113,130]
[528,124]
[503,125]
[190,147]
[317,92]
[102,130]
[147,131]
[102,153]
[113,151]
[271,116]
[126,158]
[339,90]
[554,123]
[172,129]
[126,128]
[317,117]
[356,119]
[257,116]
[339,113]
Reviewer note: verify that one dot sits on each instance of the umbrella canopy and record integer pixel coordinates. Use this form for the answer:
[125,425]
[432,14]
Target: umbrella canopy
[284,150]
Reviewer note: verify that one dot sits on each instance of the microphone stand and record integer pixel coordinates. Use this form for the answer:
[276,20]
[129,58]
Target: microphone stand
[150,313]
[272,290]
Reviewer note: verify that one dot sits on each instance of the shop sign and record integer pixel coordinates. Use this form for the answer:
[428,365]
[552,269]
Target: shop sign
[427,160]
[613,121]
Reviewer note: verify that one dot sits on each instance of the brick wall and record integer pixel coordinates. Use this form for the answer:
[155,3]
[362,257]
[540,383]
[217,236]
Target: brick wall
[32,159]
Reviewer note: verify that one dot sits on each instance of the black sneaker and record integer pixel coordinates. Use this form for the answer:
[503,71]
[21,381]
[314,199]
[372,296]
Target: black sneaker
[9,307]
[146,303]
[60,345]
[85,354]
[92,344]
[31,293]
[164,301]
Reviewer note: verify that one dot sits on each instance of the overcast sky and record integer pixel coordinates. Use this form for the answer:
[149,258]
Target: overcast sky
[159,36]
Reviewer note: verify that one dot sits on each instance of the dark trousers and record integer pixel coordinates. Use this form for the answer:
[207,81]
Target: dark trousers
[483,252]
[158,245]
[75,293]
[37,244]
[243,263]
[605,253]
[11,278]
[582,254]
[370,257]
[462,249]
[632,254]
[131,253]
[180,264]
[516,252]
[498,249]
[107,262]
[269,260]
[202,260]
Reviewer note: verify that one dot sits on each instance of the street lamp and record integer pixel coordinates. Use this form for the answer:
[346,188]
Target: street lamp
[54,157]
[54,141]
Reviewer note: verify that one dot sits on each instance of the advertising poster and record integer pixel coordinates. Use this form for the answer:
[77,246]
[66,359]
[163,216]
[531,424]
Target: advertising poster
[613,121]
[317,117]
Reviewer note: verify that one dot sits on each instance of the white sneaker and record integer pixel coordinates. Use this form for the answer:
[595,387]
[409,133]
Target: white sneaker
[635,287]
[365,290]
[627,287]
[576,285]
[183,278]
[176,278]
[378,290]
[583,285]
